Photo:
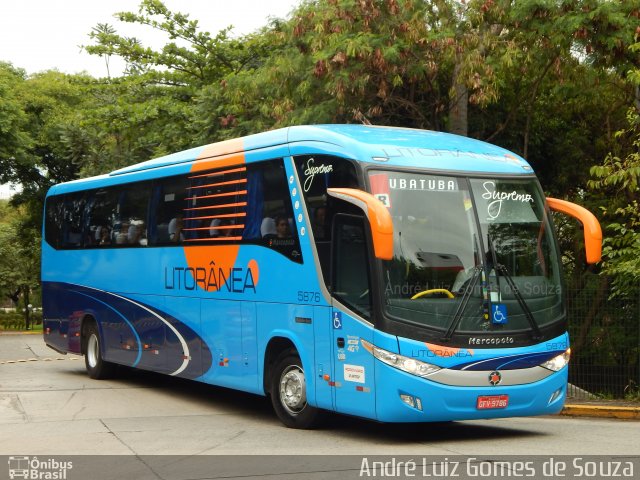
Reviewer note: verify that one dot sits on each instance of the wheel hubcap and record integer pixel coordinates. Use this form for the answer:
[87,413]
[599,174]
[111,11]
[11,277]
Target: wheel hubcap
[92,350]
[293,392]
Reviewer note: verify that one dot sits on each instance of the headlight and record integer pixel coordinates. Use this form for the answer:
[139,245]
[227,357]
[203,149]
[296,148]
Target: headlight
[557,363]
[406,364]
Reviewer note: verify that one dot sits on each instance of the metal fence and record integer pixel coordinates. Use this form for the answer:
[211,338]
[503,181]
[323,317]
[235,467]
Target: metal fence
[605,342]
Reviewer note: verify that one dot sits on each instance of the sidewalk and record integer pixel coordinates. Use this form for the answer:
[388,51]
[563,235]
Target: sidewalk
[20,332]
[602,408]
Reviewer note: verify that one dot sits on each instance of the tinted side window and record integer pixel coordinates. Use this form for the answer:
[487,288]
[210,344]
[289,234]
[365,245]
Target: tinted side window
[106,217]
[72,231]
[132,214]
[102,218]
[237,204]
[270,216]
[168,199]
[317,173]
[351,264]
[216,206]
[54,221]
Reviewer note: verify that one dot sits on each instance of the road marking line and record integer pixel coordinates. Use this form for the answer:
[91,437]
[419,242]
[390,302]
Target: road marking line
[47,359]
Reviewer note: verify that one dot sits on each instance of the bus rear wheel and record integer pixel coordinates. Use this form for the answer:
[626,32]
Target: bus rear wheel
[97,368]
[289,393]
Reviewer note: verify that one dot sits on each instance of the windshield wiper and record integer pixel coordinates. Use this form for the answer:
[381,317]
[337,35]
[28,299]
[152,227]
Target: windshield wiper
[457,316]
[502,270]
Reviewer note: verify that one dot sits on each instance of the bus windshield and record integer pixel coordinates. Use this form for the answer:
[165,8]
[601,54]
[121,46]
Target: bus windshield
[471,255]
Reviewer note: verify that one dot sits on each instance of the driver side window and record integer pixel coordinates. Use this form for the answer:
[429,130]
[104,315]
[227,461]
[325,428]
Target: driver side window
[350,265]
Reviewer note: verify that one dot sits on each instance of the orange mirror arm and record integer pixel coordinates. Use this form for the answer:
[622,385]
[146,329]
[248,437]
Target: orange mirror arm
[379,218]
[592,230]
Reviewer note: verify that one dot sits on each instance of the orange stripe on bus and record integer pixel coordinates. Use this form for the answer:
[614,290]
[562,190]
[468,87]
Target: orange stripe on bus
[212,239]
[224,227]
[219,155]
[230,182]
[228,205]
[226,215]
[226,147]
[219,173]
[226,194]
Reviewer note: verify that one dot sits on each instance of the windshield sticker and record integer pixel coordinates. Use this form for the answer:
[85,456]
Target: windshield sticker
[495,199]
[380,188]
[424,184]
[313,170]
[499,314]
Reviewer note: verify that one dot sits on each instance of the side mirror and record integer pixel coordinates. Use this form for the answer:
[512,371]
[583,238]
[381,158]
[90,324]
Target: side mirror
[379,218]
[592,230]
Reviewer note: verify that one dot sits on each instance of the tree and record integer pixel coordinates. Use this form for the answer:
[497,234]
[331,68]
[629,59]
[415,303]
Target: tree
[150,111]
[19,260]
[192,58]
[14,141]
[617,180]
[370,61]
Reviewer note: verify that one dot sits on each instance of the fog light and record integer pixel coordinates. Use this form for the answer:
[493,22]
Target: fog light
[555,395]
[408,399]
[413,402]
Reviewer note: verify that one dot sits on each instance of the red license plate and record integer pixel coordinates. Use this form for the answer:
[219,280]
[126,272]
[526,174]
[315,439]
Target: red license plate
[488,402]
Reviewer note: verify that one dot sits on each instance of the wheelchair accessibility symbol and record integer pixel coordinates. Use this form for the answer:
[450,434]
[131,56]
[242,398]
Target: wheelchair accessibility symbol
[337,321]
[498,314]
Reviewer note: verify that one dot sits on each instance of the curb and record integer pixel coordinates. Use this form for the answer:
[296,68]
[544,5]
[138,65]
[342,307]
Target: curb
[601,411]
[20,332]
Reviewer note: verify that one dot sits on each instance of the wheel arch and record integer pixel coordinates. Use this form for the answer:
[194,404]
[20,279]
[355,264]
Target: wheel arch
[275,347]
[88,319]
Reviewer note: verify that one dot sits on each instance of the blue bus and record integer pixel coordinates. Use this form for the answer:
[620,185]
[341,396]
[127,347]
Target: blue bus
[393,274]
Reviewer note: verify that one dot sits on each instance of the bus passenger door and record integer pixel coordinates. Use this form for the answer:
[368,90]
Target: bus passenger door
[353,371]
[322,332]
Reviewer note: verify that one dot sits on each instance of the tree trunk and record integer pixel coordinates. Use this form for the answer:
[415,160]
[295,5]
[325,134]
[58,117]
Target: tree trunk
[599,298]
[27,310]
[458,119]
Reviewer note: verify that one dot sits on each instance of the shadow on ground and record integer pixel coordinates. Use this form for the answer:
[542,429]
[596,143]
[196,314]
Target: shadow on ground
[259,408]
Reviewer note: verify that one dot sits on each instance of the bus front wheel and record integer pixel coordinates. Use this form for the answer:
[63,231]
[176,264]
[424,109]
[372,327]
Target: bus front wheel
[289,393]
[97,368]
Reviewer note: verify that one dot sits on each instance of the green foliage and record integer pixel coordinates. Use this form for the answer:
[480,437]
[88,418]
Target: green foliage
[19,258]
[618,178]
[617,181]
[375,61]
[151,110]
[14,140]
[15,321]
[552,80]
[191,57]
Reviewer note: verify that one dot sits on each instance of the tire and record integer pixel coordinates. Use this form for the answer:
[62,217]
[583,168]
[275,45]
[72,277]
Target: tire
[97,368]
[288,393]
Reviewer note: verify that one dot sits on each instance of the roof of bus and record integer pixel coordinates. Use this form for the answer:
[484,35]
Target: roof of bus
[406,147]
[392,146]
[389,145]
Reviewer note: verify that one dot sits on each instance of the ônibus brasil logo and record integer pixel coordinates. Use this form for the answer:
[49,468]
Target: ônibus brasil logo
[36,469]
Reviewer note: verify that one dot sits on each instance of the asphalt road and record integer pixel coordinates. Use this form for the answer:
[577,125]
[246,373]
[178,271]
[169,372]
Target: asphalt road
[48,405]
